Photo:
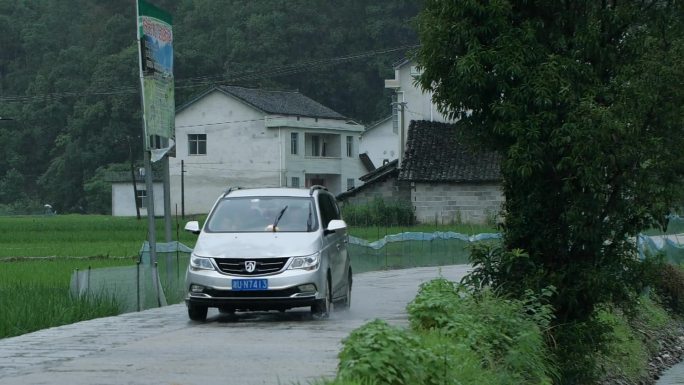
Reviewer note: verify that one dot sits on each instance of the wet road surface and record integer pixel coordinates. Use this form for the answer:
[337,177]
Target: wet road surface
[161,346]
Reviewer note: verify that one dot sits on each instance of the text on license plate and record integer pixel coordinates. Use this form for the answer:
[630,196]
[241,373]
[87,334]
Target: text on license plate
[250,284]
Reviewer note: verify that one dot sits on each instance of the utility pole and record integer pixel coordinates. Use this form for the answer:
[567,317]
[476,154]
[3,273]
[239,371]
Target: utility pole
[133,178]
[182,189]
[402,107]
[167,199]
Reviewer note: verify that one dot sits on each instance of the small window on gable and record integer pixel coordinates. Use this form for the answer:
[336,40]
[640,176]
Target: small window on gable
[141,198]
[197,144]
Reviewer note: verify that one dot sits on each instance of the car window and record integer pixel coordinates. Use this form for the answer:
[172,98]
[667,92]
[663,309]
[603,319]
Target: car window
[259,214]
[329,210]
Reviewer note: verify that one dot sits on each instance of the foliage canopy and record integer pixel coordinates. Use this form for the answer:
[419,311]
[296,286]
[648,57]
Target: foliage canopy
[584,99]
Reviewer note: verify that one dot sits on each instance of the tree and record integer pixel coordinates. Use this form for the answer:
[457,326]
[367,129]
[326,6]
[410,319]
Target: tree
[584,100]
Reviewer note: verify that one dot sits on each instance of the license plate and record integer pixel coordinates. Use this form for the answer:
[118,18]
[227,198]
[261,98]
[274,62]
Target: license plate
[250,284]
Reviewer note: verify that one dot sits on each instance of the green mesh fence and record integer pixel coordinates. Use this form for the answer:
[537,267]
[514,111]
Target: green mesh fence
[412,249]
[134,286]
[139,287]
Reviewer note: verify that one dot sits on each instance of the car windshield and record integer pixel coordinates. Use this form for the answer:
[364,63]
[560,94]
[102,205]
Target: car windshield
[260,214]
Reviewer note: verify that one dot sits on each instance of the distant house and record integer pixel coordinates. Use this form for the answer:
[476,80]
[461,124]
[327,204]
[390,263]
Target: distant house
[125,197]
[445,180]
[380,142]
[236,136]
[410,102]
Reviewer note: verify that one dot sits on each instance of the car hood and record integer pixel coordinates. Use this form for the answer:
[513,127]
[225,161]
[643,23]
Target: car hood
[256,245]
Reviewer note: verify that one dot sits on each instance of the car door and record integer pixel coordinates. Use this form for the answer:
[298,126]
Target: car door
[333,243]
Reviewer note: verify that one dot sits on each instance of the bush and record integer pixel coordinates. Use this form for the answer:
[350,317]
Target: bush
[507,336]
[669,285]
[383,354]
[379,213]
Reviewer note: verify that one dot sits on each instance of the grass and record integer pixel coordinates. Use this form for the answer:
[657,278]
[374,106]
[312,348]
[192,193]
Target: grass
[40,253]
[79,235]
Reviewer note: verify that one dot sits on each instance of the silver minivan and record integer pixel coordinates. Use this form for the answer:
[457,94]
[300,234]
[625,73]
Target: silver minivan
[270,249]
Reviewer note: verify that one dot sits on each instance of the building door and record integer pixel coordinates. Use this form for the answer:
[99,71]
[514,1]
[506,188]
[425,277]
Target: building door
[316,181]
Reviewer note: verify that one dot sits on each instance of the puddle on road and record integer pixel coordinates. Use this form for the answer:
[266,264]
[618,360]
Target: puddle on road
[673,376]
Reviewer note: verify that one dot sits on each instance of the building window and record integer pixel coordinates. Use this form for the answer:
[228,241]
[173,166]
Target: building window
[294,143]
[350,183]
[141,199]
[350,146]
[295,182]
[197,144]
[315,145]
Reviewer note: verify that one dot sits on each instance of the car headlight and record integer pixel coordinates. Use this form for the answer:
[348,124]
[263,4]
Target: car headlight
[200,263]
[310,262]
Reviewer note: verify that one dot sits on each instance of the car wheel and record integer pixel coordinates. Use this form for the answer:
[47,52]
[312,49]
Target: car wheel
[345,304]
[321,309]
[197,312]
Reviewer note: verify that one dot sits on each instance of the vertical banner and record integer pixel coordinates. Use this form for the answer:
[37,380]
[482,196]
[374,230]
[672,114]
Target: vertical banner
[156,74]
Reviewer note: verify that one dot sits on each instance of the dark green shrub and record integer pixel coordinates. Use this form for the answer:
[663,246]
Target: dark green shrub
[506,335]
[379,213]
[382,353]
[669,285]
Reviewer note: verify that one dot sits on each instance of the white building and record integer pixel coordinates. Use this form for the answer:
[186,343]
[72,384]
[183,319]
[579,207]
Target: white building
[125,197]
[235,136]
[380,142]
[410,102]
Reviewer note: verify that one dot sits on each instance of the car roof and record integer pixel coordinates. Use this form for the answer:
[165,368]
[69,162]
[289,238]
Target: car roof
[270,192]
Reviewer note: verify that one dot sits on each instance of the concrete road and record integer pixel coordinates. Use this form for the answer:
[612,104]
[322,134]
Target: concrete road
[161,346]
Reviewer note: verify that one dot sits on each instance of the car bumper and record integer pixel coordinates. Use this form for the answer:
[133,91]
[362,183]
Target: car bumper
[285,290]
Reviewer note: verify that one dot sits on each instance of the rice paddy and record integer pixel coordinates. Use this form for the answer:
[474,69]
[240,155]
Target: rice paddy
[38,255]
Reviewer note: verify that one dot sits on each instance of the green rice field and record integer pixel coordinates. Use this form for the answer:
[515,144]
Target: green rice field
[39,254]
[80,235]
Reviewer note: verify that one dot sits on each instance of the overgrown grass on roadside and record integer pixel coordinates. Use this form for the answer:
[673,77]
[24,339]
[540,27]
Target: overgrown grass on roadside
[30,307]
[456,337]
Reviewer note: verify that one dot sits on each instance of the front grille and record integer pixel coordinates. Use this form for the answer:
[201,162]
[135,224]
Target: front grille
[281,293]
[264,266]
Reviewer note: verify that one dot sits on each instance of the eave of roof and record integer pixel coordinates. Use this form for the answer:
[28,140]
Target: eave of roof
[435,153]
[276,102]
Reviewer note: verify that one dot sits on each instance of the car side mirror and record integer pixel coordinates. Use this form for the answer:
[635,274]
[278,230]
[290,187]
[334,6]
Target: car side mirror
[193,227]
[336,224]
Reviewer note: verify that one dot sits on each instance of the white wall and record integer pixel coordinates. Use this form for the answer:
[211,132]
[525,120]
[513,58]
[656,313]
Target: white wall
[247,148]
[417,104]
[123,200]
[240,151]
[380,142]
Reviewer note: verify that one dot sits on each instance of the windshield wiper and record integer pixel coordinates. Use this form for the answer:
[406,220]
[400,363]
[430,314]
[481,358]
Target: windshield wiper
[275,223]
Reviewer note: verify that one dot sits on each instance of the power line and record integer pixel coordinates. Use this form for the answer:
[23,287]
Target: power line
[201,81]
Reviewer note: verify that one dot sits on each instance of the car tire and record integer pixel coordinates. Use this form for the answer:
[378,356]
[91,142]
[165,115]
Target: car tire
[321,309]
[345,304]
[197,312]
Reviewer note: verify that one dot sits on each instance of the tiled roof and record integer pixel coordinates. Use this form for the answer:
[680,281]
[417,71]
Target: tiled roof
[281,102]
[380,171]
[380,174]
[435,154]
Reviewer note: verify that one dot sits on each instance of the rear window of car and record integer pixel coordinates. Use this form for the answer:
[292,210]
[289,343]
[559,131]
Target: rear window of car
[259,214]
